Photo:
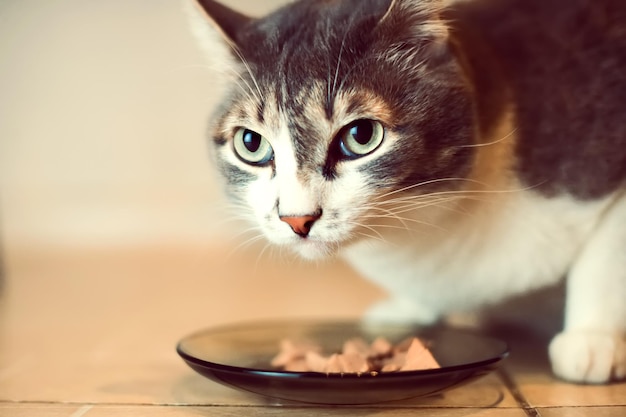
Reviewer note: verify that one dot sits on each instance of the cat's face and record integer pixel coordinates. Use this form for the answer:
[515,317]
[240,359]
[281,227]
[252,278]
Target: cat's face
[340,114]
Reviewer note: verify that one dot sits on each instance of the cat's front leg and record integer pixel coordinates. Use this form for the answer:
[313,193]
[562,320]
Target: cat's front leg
[592,346]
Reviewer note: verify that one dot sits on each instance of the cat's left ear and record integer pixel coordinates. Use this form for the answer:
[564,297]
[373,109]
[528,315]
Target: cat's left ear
[215,25]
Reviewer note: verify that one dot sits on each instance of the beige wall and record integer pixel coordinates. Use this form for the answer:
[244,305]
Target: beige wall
[103,106]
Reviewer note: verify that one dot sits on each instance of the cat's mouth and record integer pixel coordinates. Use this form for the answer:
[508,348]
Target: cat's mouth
[312,248]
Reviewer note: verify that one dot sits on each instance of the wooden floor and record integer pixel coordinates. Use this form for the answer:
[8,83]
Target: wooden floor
[93,333]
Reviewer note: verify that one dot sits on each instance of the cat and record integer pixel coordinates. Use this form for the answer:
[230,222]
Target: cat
[456,153]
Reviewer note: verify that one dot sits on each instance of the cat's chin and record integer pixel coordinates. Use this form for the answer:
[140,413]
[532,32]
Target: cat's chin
[313,250]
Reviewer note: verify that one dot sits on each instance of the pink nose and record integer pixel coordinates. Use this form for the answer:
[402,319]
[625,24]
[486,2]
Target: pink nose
[301,225]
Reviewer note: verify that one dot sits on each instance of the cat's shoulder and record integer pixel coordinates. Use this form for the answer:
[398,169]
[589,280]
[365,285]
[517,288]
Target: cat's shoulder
[564,65]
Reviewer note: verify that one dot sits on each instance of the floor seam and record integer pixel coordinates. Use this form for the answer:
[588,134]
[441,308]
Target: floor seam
[515,391]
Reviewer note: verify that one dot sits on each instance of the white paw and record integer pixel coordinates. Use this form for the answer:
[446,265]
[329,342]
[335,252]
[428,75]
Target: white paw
[396,310]
[589,357]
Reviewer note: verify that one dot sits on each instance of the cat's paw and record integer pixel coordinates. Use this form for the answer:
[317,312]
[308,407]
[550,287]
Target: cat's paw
[396,310]
[589,357]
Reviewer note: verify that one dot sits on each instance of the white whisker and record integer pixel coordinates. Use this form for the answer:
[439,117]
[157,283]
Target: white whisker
[414,221]
[373,237]
[389,214]
[480,145]
[249,70]
[243,244]
[417,185]
[260,255]
[462,193]
[341,48]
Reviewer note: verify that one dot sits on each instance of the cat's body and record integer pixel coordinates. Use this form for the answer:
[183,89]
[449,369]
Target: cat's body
[456,155]
[499,253]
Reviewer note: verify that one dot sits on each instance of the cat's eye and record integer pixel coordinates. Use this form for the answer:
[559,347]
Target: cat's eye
[252,148]
[361,138]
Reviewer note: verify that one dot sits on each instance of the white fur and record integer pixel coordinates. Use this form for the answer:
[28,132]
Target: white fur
[497,251]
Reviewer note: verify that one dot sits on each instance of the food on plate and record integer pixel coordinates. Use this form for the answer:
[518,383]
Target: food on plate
[356,356]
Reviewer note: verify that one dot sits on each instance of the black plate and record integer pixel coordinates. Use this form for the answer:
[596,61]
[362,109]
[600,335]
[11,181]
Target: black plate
[238,356]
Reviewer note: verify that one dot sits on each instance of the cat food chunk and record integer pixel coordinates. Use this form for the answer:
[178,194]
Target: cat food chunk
[293,351]
[382,347]
[356,356]
[346,363]
[418,357]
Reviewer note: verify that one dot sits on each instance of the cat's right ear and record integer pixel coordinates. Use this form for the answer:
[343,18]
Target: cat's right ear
[216,26]
[422,17]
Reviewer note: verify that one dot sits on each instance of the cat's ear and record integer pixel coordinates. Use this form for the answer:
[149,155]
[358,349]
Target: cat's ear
[226,21]
[420,26]
[422,18]
[216,27]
